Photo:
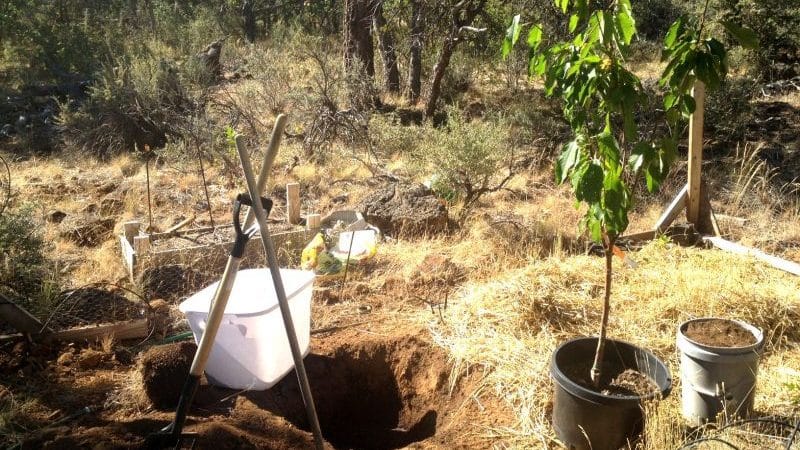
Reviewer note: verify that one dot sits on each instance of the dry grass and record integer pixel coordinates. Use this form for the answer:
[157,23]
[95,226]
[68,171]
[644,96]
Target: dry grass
[512,323]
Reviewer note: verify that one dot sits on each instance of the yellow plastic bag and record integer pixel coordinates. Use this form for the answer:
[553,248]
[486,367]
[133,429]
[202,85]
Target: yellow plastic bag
[310,255]
[316,257]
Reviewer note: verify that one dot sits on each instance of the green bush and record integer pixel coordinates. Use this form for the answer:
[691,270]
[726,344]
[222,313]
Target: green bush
[391,137]
[466,160]
[136,102]
[44,43]
[25,273]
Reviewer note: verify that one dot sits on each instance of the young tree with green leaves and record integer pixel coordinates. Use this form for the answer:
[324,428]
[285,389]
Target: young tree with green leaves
[600,96]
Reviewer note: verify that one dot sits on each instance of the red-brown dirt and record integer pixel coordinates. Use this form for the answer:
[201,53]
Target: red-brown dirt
[371,391]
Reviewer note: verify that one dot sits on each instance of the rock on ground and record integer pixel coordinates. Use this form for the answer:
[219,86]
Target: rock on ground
[164,369]
[405,209]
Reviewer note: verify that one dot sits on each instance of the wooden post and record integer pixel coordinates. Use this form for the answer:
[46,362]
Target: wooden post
[696,154]
[132,329]
[131,230]
[313,221]
[293,203]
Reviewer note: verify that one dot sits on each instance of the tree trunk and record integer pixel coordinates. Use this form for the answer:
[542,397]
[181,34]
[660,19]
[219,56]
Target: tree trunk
[438,74]
[463,14]
[358,37]
[415,61]
[597,367]
[386,41]
[249,17]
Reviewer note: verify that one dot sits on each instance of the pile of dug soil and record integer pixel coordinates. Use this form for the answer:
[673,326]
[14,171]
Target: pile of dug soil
[164,369]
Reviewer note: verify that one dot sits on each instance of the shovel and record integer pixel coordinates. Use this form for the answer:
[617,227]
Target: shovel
[283,304]
[173,436]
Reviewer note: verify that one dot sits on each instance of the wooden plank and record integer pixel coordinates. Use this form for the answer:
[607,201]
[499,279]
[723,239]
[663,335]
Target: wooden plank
[696,153]
[131,229]
[134,329]
[18,317]
[313,221]
[128,255]
[196,248]
[166,235]
[289,244]
[179,225]
[673,210]
[774,261]
[11,337]
[293,203]
[739,221]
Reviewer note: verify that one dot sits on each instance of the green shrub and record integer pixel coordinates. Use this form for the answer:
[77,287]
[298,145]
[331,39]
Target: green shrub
[391,137]
[138,102]
[466,160]
[25,273]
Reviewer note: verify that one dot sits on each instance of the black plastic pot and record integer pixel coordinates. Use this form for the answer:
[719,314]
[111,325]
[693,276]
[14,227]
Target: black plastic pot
[585,419]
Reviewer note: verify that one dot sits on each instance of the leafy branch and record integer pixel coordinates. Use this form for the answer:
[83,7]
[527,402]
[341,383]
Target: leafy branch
[600,95]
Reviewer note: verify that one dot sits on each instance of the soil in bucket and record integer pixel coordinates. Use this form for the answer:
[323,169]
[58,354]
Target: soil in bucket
[616,379]
[719,367]
[719,333]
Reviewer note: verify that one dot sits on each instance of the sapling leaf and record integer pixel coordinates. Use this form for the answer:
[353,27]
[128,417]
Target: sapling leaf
[626,25]
[573,22]
[642,153]
[512,35]
[609,149]
[688,105]
[588,182]
[570,154]
[747,38]
[535,37]
[672,33]
[669,100]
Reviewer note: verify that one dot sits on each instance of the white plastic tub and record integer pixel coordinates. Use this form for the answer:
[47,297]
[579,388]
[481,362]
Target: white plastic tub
[251,350]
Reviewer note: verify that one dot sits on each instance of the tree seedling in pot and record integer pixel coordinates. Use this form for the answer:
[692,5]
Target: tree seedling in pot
[600,96]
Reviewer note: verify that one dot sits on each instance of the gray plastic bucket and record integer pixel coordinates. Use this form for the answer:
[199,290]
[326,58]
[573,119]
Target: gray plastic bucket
[714,379]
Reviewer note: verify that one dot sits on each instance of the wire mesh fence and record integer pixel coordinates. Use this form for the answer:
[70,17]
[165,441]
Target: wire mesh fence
[95,304]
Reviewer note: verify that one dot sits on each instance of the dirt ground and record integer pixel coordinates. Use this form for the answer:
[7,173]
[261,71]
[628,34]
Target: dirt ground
[378,380]
[390,365]
[371,389]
